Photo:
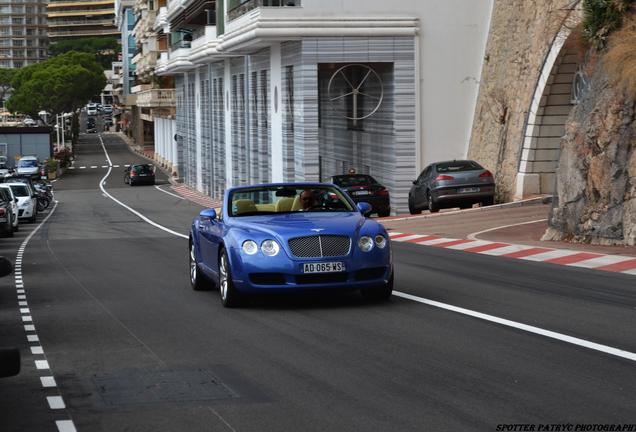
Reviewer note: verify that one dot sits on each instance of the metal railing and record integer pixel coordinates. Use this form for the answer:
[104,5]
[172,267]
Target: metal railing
[248,5]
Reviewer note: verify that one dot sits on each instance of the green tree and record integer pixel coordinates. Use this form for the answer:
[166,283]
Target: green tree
[60,84]
[106,49]
[6,75]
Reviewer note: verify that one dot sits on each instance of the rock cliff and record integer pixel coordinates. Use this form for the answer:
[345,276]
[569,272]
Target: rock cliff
[596,179]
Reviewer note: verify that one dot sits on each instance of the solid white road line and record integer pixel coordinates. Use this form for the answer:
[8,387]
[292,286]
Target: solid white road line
[169,193]
[133,211]
[474,235]
[528,328]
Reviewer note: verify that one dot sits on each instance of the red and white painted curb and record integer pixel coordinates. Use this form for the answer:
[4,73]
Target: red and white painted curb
[196,196]
[572,258]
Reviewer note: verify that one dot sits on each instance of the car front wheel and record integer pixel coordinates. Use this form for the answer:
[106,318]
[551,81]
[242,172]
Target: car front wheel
[412,209]
[229,296]
[197,280]
[433,207]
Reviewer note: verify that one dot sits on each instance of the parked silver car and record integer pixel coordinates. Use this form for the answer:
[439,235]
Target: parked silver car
[458,183]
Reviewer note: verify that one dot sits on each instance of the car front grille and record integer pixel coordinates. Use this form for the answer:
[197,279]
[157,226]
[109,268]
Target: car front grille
[319,246]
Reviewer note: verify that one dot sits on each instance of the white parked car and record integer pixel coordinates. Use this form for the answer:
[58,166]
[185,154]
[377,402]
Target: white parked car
[91,109]
[108,109]
[14,205]
[28,165]
[27,202]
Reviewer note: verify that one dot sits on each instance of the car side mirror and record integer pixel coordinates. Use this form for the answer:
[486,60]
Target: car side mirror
[9,362]
[15,199]
[207,215]
[364,208]
[414,182]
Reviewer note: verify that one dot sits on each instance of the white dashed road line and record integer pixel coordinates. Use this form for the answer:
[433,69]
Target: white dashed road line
[55,402]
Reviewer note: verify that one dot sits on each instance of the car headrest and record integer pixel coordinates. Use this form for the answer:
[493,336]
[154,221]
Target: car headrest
[284,204]
[244,206]
[297,205]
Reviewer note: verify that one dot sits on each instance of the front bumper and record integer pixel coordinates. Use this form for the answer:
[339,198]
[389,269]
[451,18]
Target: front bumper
[259,273]
[25,213]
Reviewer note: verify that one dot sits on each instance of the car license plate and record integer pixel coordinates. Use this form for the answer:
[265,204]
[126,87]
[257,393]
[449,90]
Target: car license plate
[468,190]
[328,267]
[362,192]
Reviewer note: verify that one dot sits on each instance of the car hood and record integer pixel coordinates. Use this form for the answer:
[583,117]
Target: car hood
[289,225]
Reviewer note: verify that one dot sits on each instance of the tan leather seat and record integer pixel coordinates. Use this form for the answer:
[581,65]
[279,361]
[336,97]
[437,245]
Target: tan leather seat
[244,206]
[284,204]
[297,206]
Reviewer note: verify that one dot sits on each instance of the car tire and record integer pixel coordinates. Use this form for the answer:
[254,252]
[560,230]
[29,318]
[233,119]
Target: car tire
[377,294]
[433,207]
[412,209]
[198,281]
[9,229]
[229,296]
[384,213]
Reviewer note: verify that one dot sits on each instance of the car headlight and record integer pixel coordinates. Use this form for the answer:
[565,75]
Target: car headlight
[25,204]
[365,243]
[380,241]
[250,247]
[270,247]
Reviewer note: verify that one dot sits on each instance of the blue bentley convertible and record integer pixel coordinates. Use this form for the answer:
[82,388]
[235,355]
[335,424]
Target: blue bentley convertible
[282,237]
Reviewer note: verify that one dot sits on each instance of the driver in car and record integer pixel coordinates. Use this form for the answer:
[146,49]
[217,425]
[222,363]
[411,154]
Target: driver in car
[307,200]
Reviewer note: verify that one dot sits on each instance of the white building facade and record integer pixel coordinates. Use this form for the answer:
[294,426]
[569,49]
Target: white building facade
[301,91]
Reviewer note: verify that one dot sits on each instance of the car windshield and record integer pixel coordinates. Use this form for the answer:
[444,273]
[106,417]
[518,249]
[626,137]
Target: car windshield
[20,191]
[354,180]
[28,163]
[287,199]
[458,166]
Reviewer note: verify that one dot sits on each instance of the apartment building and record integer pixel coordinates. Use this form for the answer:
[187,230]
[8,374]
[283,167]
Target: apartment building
[155,96]
[302,90]
[74,19]
[23,33]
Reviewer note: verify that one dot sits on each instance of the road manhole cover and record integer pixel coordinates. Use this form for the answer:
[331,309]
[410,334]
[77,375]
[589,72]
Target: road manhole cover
[135,387]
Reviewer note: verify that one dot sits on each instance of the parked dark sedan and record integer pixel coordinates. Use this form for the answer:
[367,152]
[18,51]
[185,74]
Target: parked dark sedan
[458,183]
[139,174]
[364,188]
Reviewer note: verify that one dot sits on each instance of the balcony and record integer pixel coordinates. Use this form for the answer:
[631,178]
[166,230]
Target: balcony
[162,19]
[248,5]
[156,98]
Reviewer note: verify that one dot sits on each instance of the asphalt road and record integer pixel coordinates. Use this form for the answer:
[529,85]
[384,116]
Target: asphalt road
[133,348]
